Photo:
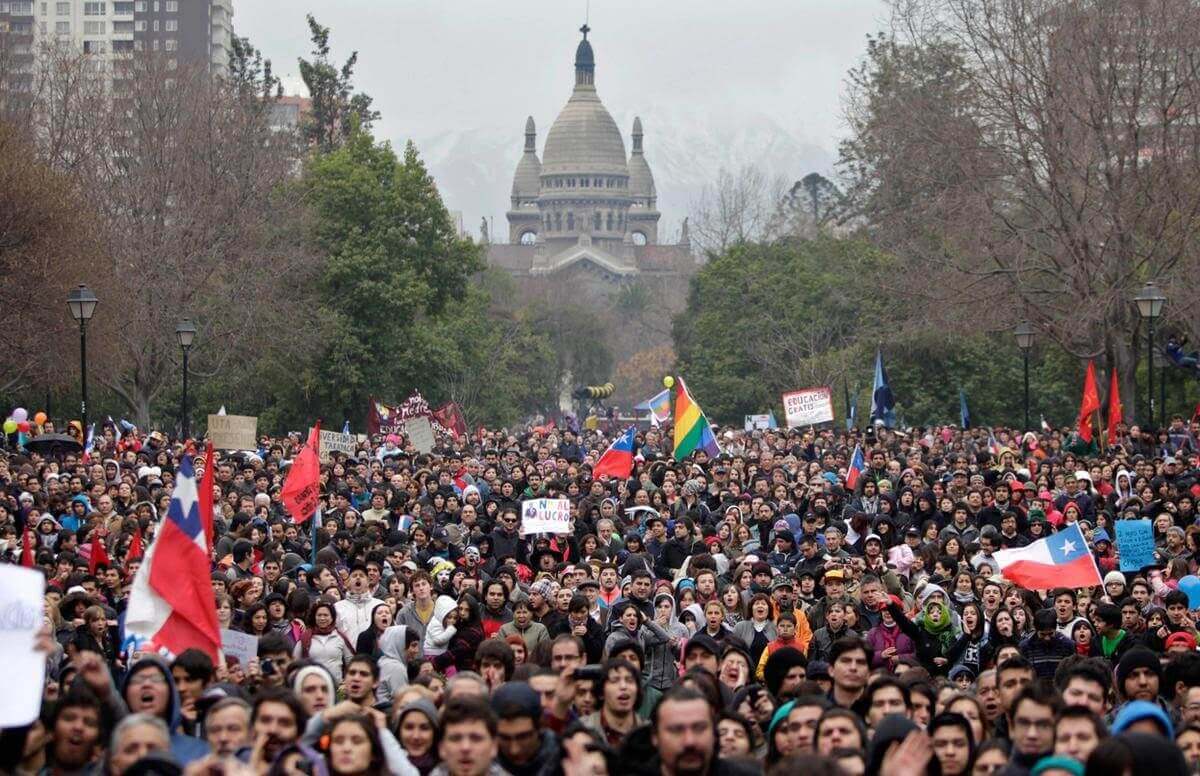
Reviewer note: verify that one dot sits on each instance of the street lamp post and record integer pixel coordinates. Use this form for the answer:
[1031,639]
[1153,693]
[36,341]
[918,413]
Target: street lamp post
[186,332]
[1150,301]
[1024,334]
[82,304]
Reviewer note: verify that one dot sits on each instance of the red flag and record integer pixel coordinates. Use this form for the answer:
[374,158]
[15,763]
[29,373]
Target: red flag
[302,488]
[99,554]
[204,498]
[1090,403]
[135,546]
[449,416]
[1115,414]
[27,547]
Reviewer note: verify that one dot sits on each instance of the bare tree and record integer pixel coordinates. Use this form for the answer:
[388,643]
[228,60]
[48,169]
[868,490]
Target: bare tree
[740,206]
[200,218]
[1034,158]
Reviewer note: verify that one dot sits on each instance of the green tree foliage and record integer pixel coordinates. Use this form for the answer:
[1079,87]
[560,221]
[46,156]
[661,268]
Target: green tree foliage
[336,107]
[394,263]
[251,73]
[764,318]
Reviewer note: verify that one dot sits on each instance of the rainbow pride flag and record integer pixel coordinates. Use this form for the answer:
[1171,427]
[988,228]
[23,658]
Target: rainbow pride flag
[692,431]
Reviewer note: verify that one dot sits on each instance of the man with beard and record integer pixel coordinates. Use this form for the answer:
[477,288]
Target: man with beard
[683,731]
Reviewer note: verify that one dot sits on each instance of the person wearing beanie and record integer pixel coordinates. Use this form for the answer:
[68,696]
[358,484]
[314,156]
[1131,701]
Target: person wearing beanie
[417,727]
[1057,765]
[1139,674]
[1114,586]
[784,671]
[525,748]
[1143,717]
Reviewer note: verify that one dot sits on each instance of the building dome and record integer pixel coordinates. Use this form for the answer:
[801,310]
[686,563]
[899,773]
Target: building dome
[527,180]
[584,137]
[641,181]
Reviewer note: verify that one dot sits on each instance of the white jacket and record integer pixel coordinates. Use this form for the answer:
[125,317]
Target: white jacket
[354,614]
[331,651]
[437,635]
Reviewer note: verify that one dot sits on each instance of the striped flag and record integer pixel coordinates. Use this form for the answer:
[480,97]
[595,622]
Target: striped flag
[692,431]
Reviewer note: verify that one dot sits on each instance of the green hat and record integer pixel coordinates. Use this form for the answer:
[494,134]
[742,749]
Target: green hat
[1057,763]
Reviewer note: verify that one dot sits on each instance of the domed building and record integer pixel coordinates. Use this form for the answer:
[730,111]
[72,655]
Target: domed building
[584,215]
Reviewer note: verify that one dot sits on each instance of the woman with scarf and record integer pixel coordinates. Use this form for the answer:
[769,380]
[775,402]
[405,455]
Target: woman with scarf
[932,632]
[323,642]
[759,630]
[888,643]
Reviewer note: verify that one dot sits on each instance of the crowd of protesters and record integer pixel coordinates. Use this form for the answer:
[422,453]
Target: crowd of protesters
[740,614]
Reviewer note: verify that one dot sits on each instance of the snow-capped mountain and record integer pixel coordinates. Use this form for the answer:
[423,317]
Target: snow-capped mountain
[686,148]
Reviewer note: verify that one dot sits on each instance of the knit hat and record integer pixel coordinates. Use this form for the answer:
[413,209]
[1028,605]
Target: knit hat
[1138,657]
[780,715]
[1136,711]
[318,670]
[422,705]
[546,588]
[1057,762]
[778,664]
[1114,576]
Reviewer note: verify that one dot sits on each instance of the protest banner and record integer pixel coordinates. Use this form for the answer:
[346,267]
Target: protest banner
[546,515]
[754,422]
[420,433]
[336,442]
[1135,542]
[808,406]
[233,432]
[239,645]
[21,602]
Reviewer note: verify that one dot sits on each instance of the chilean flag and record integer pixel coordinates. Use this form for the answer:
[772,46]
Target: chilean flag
[857,464]
[171,602]
[1059,560]
[617,461]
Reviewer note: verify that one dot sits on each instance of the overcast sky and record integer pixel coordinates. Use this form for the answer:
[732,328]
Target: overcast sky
[440,65]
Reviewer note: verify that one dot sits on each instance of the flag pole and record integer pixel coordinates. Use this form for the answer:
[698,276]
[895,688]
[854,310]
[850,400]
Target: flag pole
[1100,423]
[316,522]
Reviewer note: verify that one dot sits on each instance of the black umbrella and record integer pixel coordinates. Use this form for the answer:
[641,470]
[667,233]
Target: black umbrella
[53,444]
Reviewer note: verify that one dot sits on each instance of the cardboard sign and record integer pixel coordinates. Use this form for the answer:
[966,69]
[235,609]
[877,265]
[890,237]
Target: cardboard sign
[241,646]
[546,515]
[233,432]
[808,406]
[21,603]
[420,433]
[755,422]
[1135,543]
[336,442]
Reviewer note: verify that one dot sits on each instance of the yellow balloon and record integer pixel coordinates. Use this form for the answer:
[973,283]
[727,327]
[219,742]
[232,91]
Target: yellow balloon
[668,381]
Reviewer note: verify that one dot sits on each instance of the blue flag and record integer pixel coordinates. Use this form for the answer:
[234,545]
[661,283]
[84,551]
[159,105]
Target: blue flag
[964,414]
[883,403]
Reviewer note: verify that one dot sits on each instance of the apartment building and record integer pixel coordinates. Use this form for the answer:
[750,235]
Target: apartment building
[191,31]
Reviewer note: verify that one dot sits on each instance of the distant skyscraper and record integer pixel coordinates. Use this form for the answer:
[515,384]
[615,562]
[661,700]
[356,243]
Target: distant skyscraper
[186,31]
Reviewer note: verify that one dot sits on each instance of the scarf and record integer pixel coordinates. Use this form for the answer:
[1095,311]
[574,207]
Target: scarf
[306,642]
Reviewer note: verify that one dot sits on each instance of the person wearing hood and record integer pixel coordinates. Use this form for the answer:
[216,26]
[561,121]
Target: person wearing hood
[786,556]
[628,623]
[149,688]
[393,665]
[660,669]
[418,728]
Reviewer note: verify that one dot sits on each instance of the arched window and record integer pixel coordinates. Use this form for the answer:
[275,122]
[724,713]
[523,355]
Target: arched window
[596,221]
[558,222]
[528,237]
[639,238]
[570,221]
[610,223]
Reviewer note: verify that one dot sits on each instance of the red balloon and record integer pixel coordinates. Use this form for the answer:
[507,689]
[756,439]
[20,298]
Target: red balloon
[23,426]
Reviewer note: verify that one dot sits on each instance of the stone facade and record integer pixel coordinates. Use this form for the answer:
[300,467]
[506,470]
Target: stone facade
[583,220]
